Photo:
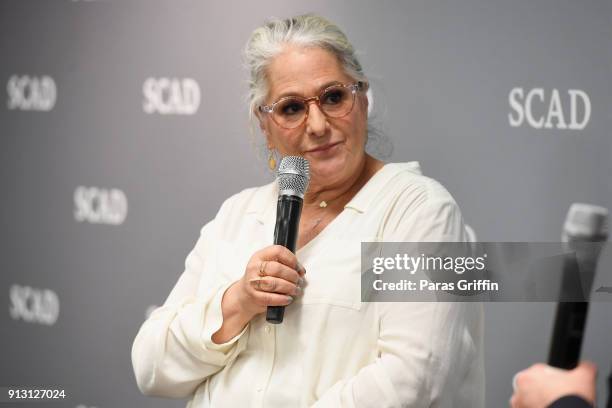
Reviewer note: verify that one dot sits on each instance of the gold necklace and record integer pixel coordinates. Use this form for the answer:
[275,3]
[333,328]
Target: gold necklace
[323,204]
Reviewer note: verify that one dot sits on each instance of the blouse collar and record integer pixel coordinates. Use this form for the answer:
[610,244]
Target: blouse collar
[263,201]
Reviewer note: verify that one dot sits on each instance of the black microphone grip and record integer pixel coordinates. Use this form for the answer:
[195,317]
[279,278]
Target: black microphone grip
[567,334]
[571,317]
[288,211]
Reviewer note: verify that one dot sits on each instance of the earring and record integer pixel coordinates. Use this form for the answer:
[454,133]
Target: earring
[271,160]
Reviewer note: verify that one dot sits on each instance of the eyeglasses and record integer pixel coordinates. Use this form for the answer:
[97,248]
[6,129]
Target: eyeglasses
[335,101]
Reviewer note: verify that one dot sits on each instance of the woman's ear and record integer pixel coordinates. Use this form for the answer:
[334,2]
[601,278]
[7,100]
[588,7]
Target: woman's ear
[368,101]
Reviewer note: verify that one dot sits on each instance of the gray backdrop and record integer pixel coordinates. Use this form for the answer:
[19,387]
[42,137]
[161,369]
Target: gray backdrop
[124,127]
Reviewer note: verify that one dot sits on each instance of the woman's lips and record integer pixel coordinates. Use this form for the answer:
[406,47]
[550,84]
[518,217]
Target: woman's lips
[324,148]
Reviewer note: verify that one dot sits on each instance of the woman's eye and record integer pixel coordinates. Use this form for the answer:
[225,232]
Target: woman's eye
[333,97]
[291,108]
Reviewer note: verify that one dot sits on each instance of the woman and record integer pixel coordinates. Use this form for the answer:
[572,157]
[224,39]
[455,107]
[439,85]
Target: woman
[210,340]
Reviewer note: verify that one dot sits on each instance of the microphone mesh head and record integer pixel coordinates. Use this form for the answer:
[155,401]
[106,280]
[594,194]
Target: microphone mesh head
[586,222]
[293,176]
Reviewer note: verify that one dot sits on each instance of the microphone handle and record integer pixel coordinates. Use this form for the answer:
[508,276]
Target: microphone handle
[288,211]
[567,334]
[571,317]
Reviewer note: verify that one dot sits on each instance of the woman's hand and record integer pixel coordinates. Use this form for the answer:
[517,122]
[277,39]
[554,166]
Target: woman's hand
[273,277]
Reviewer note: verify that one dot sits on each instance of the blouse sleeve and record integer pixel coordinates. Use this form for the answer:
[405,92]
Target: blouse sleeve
[173,352]
[426,351]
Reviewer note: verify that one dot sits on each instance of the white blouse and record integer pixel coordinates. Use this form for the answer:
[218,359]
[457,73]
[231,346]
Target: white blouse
[331,350]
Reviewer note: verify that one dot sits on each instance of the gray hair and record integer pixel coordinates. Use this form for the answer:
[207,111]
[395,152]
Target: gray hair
[307,30]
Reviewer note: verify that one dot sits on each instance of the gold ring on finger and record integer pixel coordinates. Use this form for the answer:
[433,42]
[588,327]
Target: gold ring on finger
[262,268]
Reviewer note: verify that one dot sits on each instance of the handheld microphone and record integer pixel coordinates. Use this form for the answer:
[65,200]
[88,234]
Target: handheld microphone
[293,177]
[584,226]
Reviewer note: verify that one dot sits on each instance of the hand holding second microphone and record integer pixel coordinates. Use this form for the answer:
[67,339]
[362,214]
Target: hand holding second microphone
[540,385]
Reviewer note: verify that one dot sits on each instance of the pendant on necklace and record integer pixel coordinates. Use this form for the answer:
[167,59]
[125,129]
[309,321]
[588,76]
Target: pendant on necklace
[323,204]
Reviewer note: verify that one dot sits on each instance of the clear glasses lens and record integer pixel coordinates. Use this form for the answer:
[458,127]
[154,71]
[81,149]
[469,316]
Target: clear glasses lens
[335,102]
[289,112]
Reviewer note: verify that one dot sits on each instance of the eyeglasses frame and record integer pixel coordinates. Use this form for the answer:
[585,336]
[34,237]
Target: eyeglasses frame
[354,87]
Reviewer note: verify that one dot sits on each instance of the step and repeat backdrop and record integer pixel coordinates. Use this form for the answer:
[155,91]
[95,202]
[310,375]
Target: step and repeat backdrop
[124,126]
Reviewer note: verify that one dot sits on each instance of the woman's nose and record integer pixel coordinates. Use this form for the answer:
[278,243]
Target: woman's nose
[316,123]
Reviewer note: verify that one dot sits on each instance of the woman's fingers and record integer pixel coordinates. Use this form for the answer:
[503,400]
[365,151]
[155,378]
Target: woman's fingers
[279,270]
[282,255]
[275,285]
[264,298]
[273,277]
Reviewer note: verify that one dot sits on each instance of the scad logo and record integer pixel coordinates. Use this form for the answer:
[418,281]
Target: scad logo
[167,96]
[100,206]
[544,110]
[32,305]
[30,93]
